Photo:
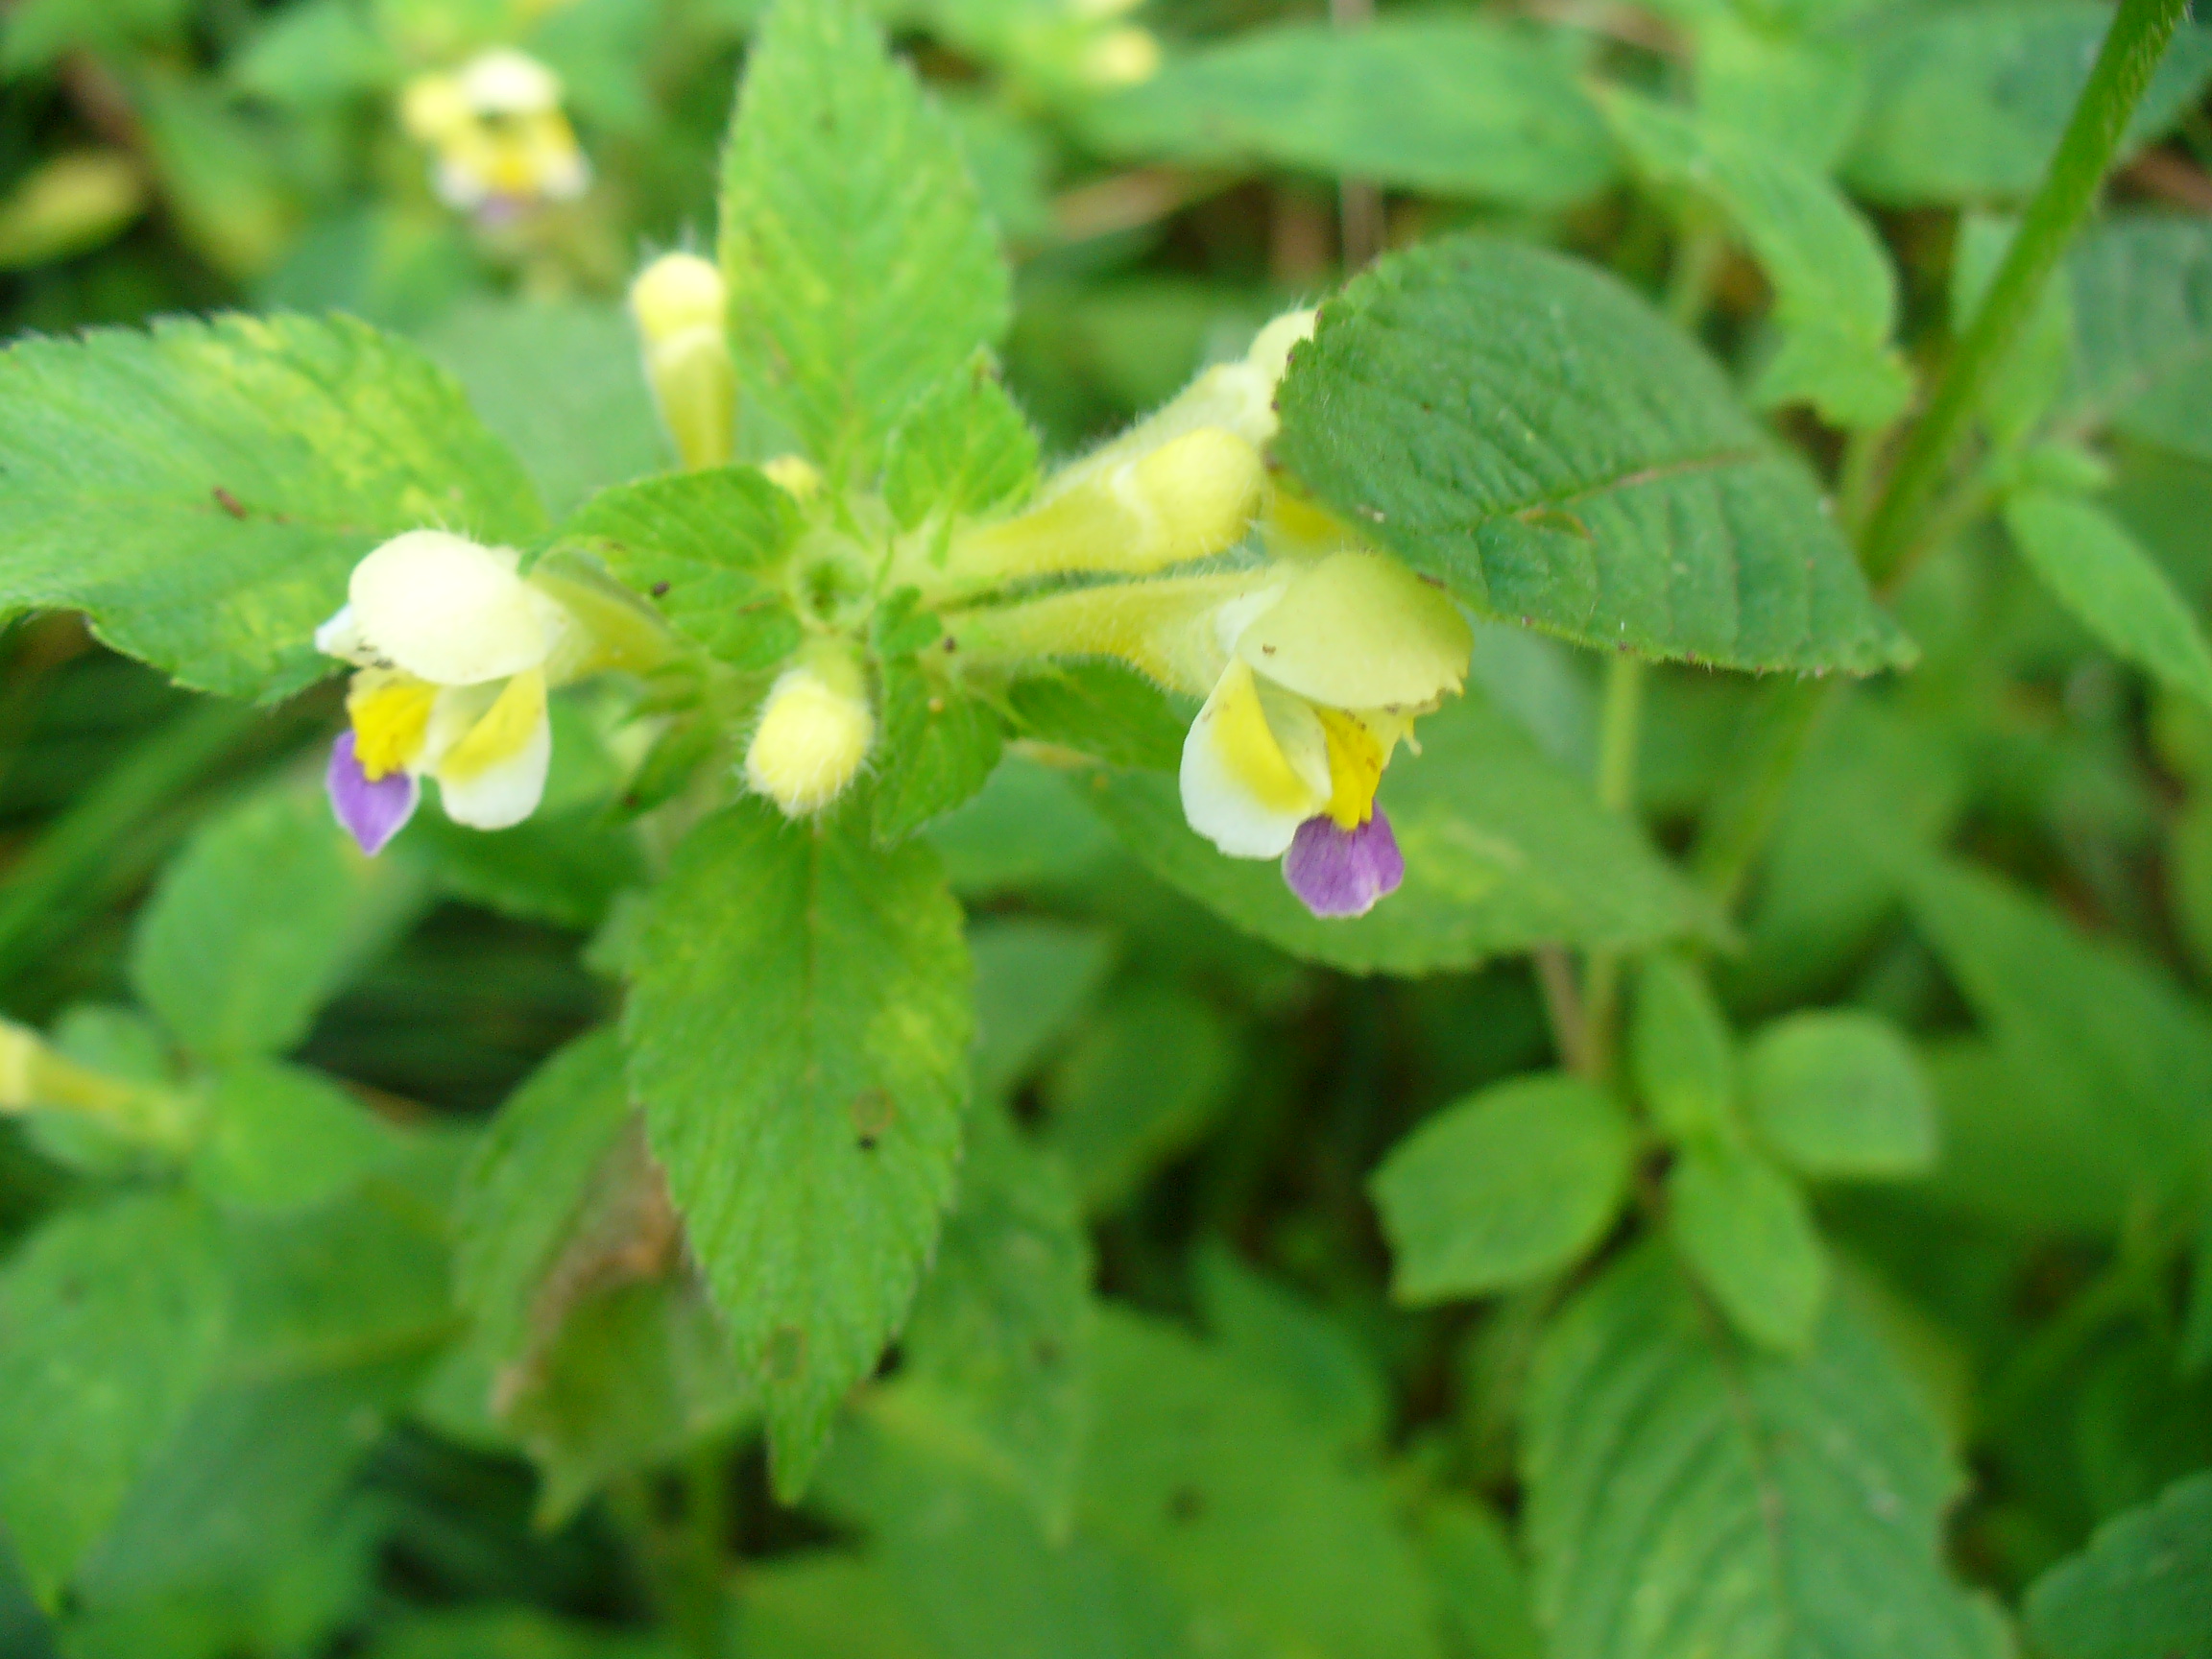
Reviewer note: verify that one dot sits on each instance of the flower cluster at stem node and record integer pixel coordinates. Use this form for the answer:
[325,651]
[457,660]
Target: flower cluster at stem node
[500,142]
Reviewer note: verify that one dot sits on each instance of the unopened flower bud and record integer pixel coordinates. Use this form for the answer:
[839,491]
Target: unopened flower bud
[678,301]
[1124,56]
[795,475]
[1188,498]
[815,731]
[19,1050]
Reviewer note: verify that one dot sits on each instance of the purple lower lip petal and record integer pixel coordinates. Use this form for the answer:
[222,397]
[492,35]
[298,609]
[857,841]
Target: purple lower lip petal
[1342,873]
[373,810]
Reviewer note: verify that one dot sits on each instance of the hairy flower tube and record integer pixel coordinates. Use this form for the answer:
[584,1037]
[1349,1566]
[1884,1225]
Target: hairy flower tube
[815,732]
[455,653]
[500,139]
[679,303]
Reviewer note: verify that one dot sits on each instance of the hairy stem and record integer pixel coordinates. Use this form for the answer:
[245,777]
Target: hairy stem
[2132,47]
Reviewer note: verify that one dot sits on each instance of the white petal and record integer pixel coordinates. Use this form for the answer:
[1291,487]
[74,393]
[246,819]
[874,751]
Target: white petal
[506,792]
[342,637]
[1255,767]
[452,611]
[505,81]
[1361,631]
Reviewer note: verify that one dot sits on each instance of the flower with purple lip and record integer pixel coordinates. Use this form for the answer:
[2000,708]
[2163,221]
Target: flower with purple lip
[1326,673]
[1342,873]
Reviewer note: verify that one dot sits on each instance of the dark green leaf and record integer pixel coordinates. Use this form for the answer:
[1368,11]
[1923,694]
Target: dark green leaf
[1749,1236]
[799,1035]
[1143,1081]
[2100,1051]
[1681,1049]
[2102,574]
[259,922]
[996,1371]
[1689,1498]
[1033,977]
[1102,709]
[112,1319]
[1529,430]
[1444,106]
[1838,1092]
[2142,1590]
[279,1139]
[1510,1186]
[1968,102]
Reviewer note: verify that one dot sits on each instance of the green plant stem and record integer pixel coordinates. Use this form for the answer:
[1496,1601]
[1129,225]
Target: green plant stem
[76,848]
[2132,47]
[1563,1009]
[1620,736]
[1698,255]
[1743,816]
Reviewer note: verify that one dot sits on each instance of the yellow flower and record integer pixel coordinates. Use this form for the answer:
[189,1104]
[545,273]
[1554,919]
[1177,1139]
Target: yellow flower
[500,139]
[455,653]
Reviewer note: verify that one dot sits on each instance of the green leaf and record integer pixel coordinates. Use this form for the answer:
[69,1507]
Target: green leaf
[492,1632]
[1482,1587]
[639,1372]
[1968,103]
[1216,1484]
[1687,1496]
[2102,573]
[39,31]
[1745,1231]
[1143,1082]
[321,52]
[2143,328]
[259,923]
[251,1470]
[1508,1187]
[799,1034]
[962,449]
[996,1358]
[708,549]
[1526,429]
[1838,1092]
[1033,977]
[959,1569]
[2104,1060]
[1801,94]
[1314,1359]
[940,745]
[1027,826]
[564,869]
[1681,1049]
[561,381]
[1835,292]
[1504,850]
[202,491]
[111,1320]
[1102,709]
[523,1190]
[1446,107]
[280,1139]
[2142,1590]
[861,268]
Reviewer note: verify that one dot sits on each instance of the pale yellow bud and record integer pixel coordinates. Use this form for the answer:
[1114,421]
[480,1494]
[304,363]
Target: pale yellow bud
[815,732]
[675,293]
[678,301]
[1271,347]
[19,1051]
[1124,56]
[1188,498]
[795,475]
[69,205]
